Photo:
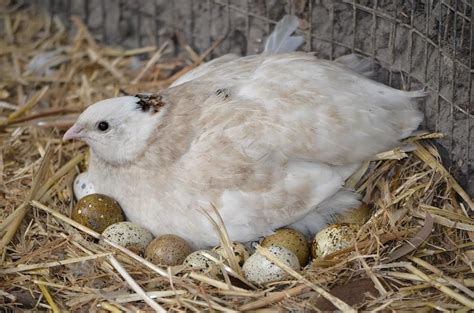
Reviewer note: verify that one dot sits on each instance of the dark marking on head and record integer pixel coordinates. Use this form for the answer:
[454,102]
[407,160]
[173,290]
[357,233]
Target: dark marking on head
[152,102]
[223,93]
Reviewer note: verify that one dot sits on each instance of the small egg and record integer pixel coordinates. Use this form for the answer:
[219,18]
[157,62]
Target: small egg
[240,251]
[358,215]
[82,186]
[259,270]
[97,212]
[198,261]
[333,238]
[168,250]
[129,235]
[292,240]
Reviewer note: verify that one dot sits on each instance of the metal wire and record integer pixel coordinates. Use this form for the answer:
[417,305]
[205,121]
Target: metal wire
[420,43]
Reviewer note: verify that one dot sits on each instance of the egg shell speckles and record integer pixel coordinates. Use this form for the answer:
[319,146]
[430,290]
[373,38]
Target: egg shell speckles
[97,212]
[169,250]
[82,186]
[259,270]
[129,235]
[292,240]
[240,251]
[198,261]
[333,238]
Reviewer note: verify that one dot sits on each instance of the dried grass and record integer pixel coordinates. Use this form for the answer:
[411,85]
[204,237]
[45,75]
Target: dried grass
[414,253]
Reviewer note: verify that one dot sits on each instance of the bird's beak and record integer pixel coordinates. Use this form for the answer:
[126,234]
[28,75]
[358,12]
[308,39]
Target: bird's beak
[73,133]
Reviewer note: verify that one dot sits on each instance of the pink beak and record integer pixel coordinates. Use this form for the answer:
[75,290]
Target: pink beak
[73,133]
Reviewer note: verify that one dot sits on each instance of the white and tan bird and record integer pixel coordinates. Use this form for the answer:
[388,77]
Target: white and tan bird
[268,139]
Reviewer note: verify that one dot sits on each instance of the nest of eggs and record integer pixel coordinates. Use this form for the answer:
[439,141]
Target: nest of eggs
[410,248]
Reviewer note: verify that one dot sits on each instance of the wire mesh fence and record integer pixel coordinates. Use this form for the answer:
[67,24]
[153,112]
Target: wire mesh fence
[418,43]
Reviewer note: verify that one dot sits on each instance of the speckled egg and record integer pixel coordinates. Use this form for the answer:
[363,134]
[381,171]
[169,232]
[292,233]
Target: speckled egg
[168,250]
[198,261]
[129,235]
[259,270]
[358,215]
[333,238]
[240,251]
[97,212]
[292,240]
[82,186]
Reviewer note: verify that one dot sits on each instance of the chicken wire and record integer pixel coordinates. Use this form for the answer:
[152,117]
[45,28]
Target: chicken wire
[419,44]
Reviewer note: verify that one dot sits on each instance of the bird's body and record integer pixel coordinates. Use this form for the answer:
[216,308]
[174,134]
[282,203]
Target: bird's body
[268,140]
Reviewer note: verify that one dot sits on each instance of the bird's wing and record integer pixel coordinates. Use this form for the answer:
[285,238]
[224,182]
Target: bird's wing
[256,188]
[308,109]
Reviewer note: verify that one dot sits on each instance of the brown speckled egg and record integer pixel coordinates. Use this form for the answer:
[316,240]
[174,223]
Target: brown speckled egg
[129,235]
[358,215]
[333,238]
[240,251]
[168,250]
[97,212]
[292,240]
[259,270]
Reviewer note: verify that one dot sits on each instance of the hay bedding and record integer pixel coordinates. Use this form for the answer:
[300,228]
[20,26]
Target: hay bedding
[414,253]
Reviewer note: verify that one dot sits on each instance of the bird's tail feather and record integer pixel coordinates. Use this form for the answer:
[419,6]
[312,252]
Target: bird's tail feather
[411,118]
[281,39]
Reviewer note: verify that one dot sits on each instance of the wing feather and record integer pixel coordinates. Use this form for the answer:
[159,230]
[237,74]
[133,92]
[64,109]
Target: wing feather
[310,109]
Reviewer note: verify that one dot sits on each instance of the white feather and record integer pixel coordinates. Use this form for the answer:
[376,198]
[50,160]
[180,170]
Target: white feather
[323,214]
[281,39]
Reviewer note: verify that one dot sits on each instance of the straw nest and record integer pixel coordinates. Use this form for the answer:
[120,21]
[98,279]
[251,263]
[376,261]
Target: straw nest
[414,253]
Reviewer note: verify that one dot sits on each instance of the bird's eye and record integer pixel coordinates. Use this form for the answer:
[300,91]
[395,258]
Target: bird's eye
[103,126]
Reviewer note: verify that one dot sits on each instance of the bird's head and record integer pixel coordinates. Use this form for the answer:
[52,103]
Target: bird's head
[118,130]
